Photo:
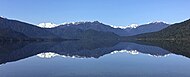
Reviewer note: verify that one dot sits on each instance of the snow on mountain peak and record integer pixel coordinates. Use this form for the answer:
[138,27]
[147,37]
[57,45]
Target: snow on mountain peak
[73,23]
[125,27]
[78,22]
[51,25]
[133,26]
[47,25]
[157,22]
[3,17]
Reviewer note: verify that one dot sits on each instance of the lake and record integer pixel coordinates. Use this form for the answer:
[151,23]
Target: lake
[95,59]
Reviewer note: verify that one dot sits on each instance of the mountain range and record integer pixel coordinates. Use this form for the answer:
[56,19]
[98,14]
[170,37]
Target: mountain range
[13,29]
[119,30]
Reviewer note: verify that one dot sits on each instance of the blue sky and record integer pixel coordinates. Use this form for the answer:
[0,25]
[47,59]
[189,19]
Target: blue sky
[114,12]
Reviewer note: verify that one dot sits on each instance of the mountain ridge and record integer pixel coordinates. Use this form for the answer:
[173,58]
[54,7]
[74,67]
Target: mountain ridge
[28,30]
[78,30]
[124,31]
[53,25]
[175,31]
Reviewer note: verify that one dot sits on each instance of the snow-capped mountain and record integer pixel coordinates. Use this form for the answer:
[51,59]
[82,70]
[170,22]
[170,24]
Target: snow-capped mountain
[129,30]
[76,23]
[17,29]
[75,30]
[47,25]
[1,16]
[157,22]
[52,25]
[146,28]
[125,27]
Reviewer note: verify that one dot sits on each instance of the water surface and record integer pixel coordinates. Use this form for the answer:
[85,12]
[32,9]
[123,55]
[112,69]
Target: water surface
[93,59]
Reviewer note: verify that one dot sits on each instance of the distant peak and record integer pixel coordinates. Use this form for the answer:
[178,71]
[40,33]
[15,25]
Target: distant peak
[133,26]
[96,22]
[52,25]
[125,27]
[79,22]
[47,25]
[157,22]
[3,17]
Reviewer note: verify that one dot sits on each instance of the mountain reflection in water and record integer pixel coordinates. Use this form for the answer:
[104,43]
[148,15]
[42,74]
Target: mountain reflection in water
[13,51]
[95,59]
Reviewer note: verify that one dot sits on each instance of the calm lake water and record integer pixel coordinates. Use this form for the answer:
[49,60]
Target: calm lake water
[94,59]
